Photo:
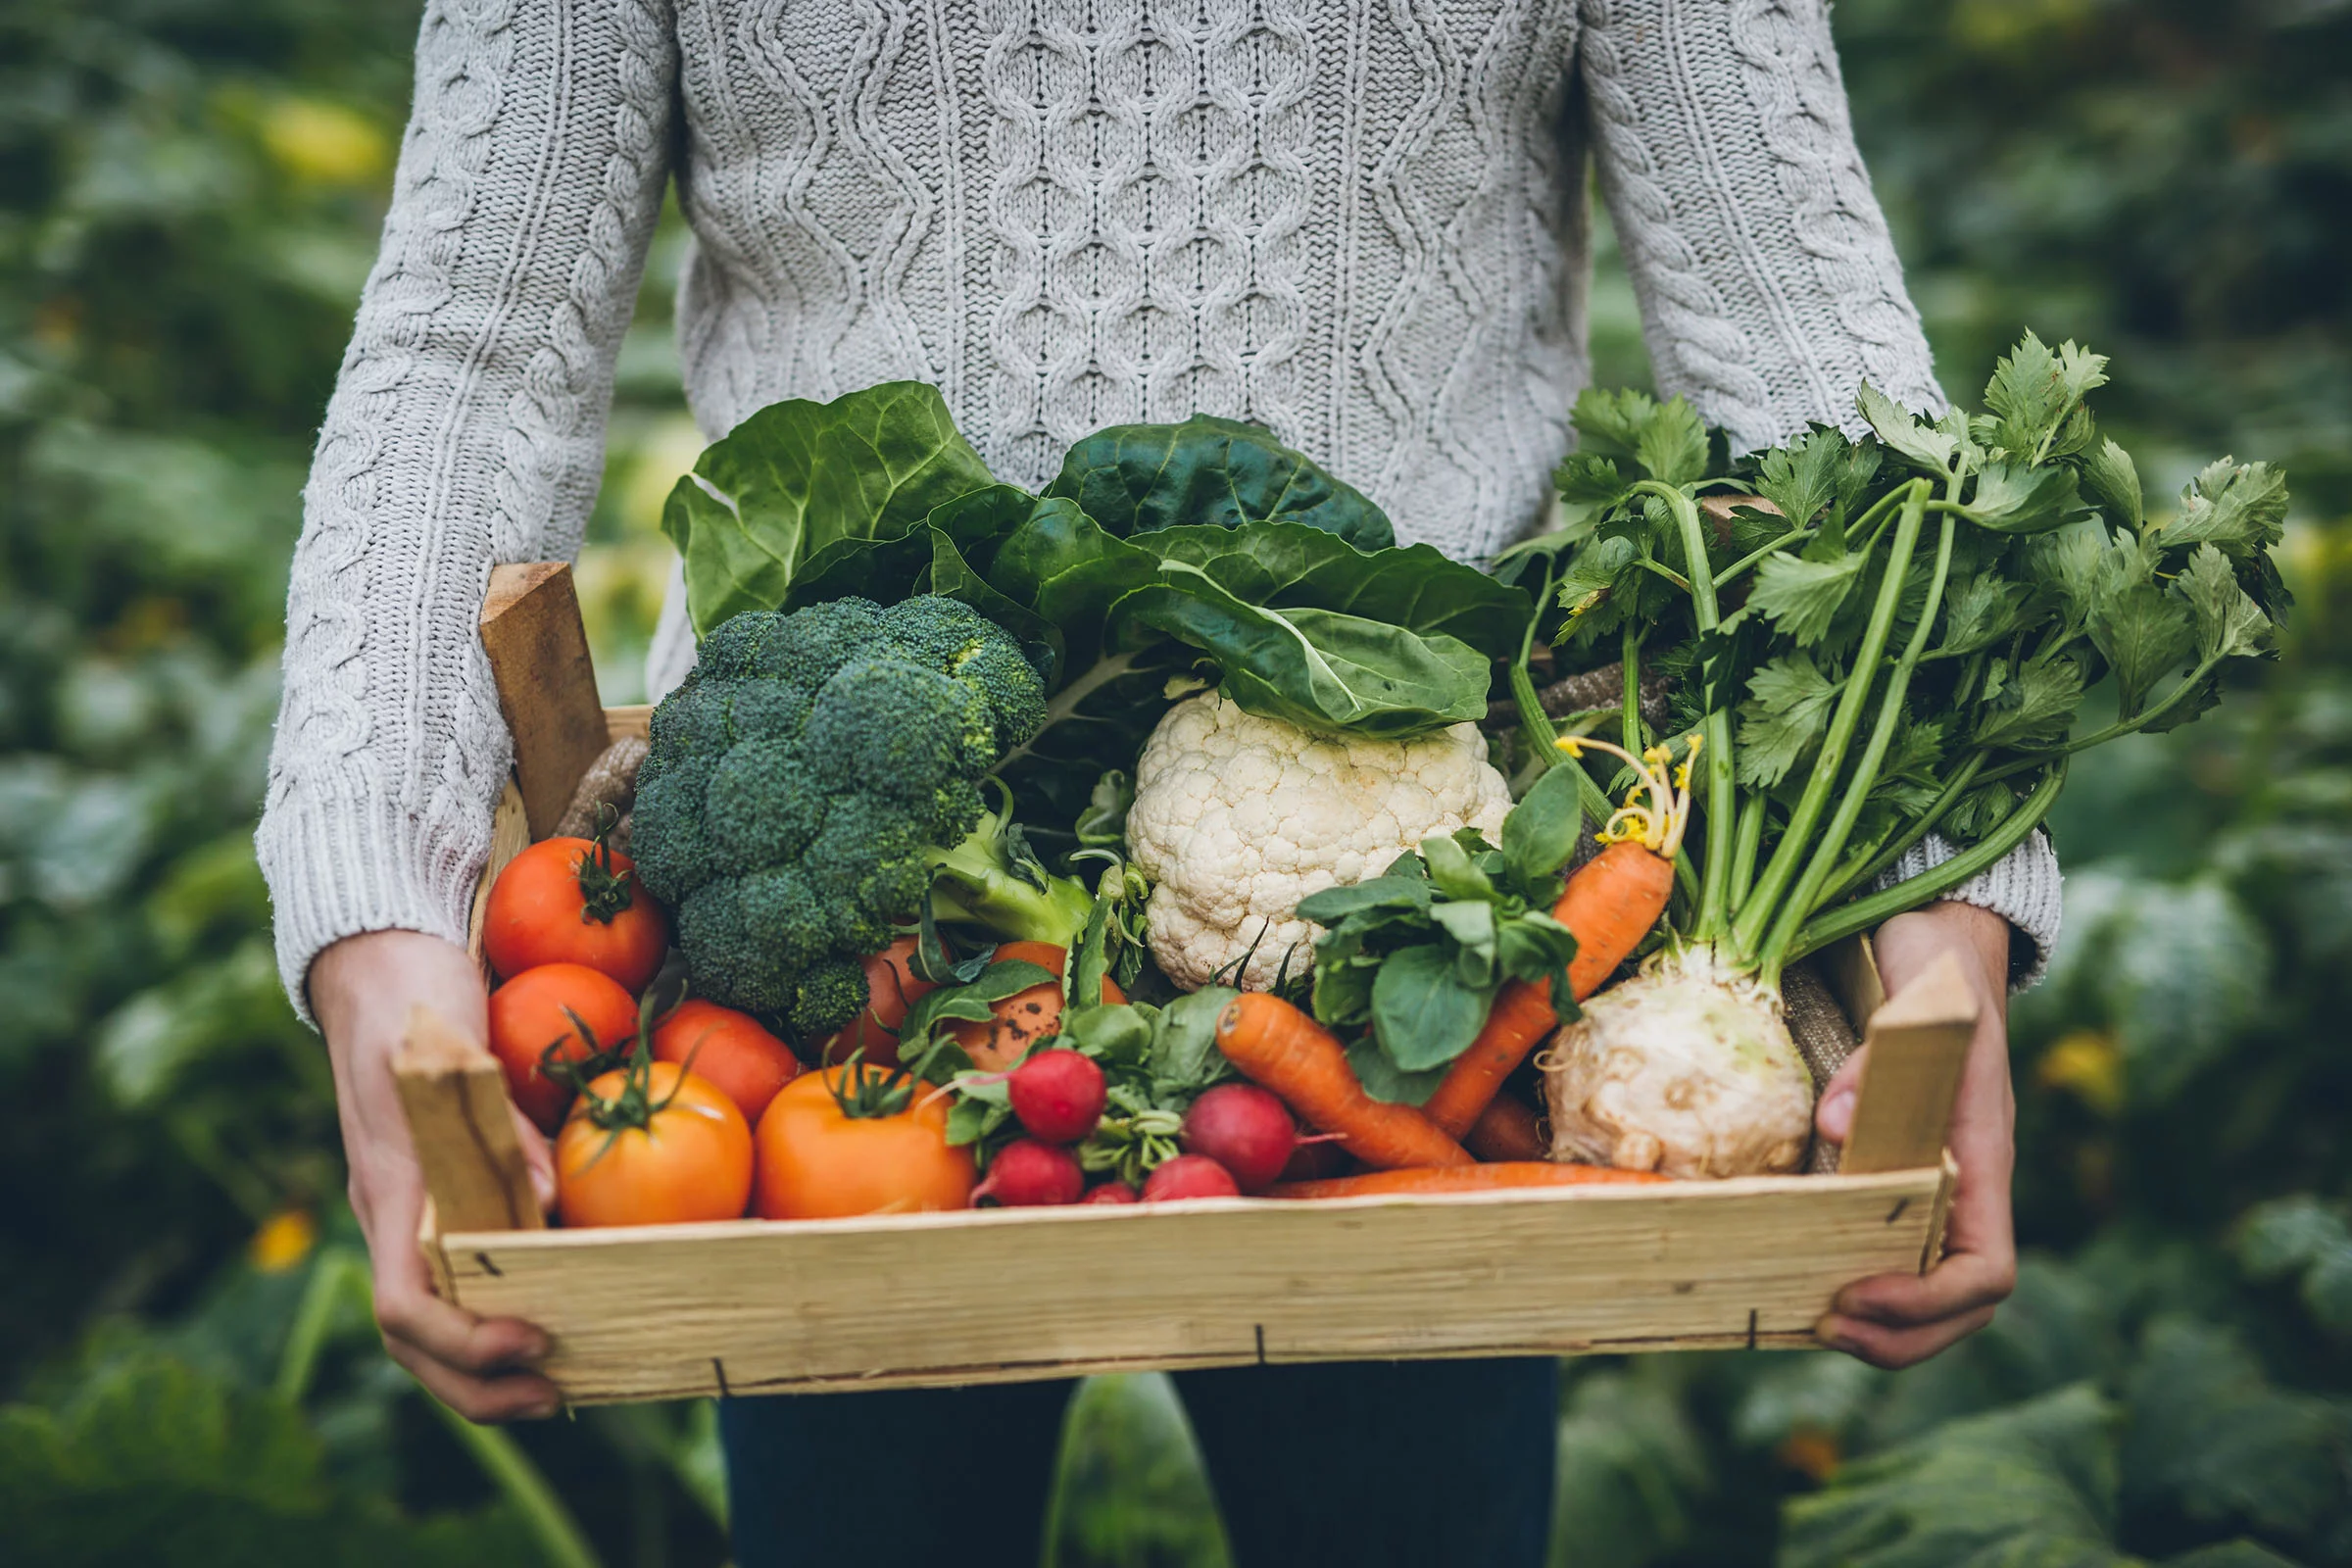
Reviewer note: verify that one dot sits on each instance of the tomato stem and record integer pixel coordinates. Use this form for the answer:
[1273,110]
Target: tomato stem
[603,891]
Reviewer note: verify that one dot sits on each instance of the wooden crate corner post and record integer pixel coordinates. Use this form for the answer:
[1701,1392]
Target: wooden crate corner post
[1917,1043]
[538,649]
[462,1127]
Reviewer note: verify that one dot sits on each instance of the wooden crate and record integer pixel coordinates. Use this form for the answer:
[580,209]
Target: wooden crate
[751,1307]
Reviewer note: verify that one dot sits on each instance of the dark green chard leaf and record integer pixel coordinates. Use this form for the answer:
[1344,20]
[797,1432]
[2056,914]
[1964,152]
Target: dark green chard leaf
[1423,1012]
[1136,478]
[798,475]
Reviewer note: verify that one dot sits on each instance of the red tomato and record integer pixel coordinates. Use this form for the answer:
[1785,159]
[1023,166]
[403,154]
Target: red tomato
[889,988]
[690,1159]
[730,1050]
[819,1161]
[1025,1016]
[570,900]
[527,1016]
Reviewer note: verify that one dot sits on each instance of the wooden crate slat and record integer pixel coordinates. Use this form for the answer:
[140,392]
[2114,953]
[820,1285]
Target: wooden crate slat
[1917,1043]
[538,650]
[908,1300]
[455,1098]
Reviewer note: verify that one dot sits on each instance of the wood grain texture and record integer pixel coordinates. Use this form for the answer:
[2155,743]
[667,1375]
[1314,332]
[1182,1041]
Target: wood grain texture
[538,650]
[464,1128]
[630,719]
[509,836]
[1917,1044]
[922,1299]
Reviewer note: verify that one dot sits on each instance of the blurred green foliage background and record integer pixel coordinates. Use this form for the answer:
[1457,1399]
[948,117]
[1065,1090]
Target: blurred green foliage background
[190,194]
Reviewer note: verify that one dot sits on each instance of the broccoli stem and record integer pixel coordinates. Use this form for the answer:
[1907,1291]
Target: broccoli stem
[977,883]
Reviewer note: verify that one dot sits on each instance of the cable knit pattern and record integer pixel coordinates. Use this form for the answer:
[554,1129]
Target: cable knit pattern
[1361,222]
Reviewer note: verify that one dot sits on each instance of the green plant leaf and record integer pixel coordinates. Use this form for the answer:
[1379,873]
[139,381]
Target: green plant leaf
[2035,709]
[2230,625]
[1980,611]
[2113,479]
[1384,1080]
[798,475]
[2013,498]
[1539,835]
[2066,562]
[2184,974]
[1783,719]
[1804,596]
[1452,872]
[1595,572]
[1916,441]
[2142,630]
[1801,477]
[1585,478]
[1673,444]
[1137,478]
[2036,395]
[2239,507]
[2211,1438]
[2033,1485]
[1423,1014]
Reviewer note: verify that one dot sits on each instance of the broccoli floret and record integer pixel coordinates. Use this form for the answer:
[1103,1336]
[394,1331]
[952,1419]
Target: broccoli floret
[814,775]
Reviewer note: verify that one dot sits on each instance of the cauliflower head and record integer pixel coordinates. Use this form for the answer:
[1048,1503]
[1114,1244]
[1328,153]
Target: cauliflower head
[1237,818]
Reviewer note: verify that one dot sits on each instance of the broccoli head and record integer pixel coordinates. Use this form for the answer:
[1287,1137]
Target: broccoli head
[812,779]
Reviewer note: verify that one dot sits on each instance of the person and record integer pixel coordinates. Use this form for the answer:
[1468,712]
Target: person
[1364,227]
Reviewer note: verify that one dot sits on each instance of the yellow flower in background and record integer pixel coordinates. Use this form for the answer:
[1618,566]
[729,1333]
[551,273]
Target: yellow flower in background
[323,143]
[2088,1066]
[284,1240]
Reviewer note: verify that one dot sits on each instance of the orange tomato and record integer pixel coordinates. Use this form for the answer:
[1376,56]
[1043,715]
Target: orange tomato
[566,901]
[730,1050]
[1024,1017]
[690,1161]
[527,1016]
[889,988]
[817,1162]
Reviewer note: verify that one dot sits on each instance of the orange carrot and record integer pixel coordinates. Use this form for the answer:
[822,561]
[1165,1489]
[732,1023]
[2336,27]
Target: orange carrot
[1282,1048]
[1508,1130]
[1464,1179]
[1609,903]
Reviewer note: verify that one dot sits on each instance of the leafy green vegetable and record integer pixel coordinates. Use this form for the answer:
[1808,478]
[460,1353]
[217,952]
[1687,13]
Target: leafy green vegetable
[1135,478]
[1418,953]
[1915,638]
[796,477]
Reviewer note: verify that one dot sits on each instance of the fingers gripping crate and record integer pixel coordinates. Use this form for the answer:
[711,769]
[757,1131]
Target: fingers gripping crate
[752,1306]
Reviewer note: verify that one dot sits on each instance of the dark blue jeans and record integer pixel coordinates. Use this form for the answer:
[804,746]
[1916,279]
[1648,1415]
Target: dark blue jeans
[1427,1465]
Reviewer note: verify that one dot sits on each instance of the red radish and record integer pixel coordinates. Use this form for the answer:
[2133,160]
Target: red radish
[1029,1174]
[1059,1095]
[1110,1193]
[1244,1128]
[1190,1176]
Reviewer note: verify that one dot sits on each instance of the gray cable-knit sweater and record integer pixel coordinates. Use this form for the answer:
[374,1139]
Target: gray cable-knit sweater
[1361,222]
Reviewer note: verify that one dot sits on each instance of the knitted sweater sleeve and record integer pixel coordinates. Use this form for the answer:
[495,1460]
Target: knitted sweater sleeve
[466,429]
[1769,287]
